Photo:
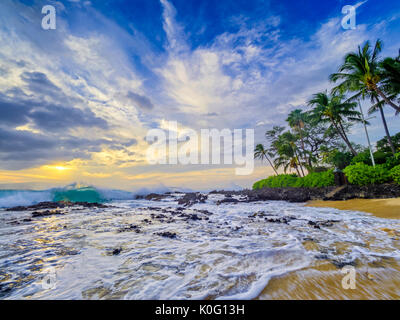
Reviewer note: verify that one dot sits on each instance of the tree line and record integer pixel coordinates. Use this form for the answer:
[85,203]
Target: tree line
[317,137]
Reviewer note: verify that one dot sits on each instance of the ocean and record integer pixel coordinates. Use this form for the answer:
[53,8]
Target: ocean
[140,249]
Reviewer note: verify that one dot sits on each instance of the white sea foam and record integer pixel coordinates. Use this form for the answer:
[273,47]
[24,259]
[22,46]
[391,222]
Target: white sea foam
[228,256]
[12,198]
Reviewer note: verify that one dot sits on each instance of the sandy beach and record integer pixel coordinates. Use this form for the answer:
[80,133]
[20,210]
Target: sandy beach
[382,208]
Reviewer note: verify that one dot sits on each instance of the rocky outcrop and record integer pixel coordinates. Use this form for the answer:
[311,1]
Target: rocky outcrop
[291,194]
[47,205]
[190,199]
[365,192]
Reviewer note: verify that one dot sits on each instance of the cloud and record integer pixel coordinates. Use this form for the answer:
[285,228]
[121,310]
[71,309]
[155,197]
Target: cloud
[39,83]
[45,116]
[252,72]
[24,149]
[140,101]
[91,89]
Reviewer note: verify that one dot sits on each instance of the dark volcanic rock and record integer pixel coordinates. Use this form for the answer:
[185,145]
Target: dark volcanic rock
[131,227]
[319,224]
[227,200]
[381,191]
[56,205]
[278,220]
[291,194]
[46,213]
[206,212]
[193,217]
[156,196]
[39,206]
[167,234]
[116,251]
[190,199]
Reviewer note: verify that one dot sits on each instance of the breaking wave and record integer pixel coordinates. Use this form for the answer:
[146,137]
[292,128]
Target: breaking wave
[11,198]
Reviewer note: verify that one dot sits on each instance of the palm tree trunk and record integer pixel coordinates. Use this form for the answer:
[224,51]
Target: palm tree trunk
[298,172]
[387,100]
[344,137]
[304,149]
[270,163]
[389,139]
[298,160]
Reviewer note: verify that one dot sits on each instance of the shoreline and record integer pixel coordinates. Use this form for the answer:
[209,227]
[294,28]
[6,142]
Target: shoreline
[388,208]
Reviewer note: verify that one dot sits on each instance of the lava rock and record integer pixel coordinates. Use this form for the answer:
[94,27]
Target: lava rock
[278,220]
[131,227]
[156,196]
[190,199]
[227,200]
[47,205]
[167,234]
[116,251]
[46,213]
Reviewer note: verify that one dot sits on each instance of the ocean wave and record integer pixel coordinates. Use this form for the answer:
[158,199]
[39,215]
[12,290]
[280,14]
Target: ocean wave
[11,198]
[75,193]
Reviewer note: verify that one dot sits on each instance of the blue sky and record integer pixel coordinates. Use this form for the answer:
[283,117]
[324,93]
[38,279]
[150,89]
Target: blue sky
[112,70]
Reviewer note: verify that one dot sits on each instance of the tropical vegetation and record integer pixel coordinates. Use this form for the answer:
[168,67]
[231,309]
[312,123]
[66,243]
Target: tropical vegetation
[316,140]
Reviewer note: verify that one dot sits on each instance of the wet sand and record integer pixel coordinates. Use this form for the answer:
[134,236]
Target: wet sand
[382,208]
[323,281]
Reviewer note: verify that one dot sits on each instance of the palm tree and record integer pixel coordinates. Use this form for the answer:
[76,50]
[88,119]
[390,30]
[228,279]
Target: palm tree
[391,75]
[297,119]
[361,73]
[287,152]
[287,162]
[261,153]
[331,108]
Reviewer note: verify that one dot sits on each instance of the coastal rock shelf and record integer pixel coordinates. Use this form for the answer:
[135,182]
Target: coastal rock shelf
[345,192]
[201,246]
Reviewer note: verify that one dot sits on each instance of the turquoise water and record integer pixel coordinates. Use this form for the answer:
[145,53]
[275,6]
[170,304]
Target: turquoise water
[10,198]
[88,194]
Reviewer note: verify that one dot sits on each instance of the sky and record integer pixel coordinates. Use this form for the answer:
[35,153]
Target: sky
[77,102]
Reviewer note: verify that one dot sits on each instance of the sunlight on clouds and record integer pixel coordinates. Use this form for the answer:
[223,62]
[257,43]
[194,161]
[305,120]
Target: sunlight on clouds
[27,127]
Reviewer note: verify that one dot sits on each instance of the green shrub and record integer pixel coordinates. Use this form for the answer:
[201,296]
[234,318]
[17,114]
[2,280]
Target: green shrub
[392,161]
[317,179]
[395,174]
[279,181]
[338,159]
[313,179]
[362,174]
[380,157]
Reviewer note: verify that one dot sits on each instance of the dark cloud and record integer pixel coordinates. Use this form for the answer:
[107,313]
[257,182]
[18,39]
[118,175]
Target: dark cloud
[130,143]
[18,110]
[15,141]
[55,118]
[39,83]
[47,109]
[12,112]
[140,101]
[23,149]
